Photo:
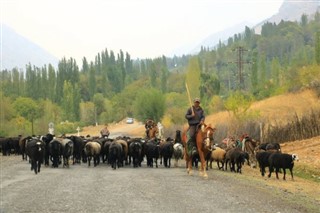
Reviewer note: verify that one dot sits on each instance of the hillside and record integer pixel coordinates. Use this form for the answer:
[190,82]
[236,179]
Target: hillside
[278,108]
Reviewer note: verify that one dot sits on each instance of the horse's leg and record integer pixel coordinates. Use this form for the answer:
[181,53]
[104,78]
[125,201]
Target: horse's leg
[203,171]
[189,165]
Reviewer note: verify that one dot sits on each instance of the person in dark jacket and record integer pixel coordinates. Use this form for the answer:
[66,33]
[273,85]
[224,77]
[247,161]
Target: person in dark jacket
[195,116]
[105,132]
[149,125]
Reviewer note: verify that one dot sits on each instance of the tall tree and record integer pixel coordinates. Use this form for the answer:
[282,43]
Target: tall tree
[29,109]
[85,65]
[51,82]
[317,47]
[68,102]
[275,71]
[164,75]
[92,81]
[254,71]
[149,104]
[193,77]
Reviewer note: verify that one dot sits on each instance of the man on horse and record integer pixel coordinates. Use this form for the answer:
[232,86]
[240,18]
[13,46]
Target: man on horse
[149,125]
[105,132]
[195,116]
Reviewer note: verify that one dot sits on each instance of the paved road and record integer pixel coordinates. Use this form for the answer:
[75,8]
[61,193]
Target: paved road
[101,189]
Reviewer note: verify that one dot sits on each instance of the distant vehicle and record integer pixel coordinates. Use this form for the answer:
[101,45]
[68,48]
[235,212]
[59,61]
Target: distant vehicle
[129,121]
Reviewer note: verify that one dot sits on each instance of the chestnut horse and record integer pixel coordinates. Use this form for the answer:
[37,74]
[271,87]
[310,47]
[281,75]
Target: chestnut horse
[204,142]
[153,132]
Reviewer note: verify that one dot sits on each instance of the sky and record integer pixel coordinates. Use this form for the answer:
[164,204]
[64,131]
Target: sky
[143,28]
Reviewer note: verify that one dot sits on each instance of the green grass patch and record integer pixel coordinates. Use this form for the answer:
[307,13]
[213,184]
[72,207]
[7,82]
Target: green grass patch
[307,172]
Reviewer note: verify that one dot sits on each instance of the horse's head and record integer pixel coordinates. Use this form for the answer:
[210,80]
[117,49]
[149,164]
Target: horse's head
[207,133]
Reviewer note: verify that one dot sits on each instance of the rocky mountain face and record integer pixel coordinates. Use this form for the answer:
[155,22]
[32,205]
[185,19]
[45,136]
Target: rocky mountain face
[292,11]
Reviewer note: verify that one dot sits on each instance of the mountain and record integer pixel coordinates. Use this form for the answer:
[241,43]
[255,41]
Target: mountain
[292,11]
[289,11]
[222,36]
[17,51]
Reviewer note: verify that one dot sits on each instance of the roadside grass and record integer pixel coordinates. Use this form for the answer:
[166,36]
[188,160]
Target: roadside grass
[307,172]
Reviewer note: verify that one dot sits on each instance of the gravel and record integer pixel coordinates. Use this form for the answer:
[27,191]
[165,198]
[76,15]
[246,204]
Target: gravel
[101,189]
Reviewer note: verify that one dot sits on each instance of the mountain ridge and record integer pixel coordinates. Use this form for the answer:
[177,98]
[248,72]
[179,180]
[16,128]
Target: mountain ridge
[17,51]
[288,11]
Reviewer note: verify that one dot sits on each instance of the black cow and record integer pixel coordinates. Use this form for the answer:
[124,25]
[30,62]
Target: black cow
[78,146]
[262,158]
[152,151]
[5,145]
[115,155]
[236,156]
[166,152]
[135,152]
[67,151]
[35,149]
[46,139]
[22,144]
[281,161]
[55,149]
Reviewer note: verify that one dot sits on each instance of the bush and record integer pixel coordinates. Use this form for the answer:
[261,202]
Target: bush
[65,128]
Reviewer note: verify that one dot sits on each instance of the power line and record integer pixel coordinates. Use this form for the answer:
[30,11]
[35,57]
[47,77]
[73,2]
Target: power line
[240,50]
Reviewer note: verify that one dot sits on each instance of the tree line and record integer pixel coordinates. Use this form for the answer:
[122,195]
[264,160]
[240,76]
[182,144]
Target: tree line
[283,57]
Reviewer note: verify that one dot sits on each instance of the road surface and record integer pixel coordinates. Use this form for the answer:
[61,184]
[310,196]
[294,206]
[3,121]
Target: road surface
[101,189]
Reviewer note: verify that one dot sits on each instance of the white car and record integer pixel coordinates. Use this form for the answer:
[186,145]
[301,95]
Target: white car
[129,121]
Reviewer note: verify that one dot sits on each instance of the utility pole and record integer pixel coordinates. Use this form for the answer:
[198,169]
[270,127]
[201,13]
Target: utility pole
[240,50]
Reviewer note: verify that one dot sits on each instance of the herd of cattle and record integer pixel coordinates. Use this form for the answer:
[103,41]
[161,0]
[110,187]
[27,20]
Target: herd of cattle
[126,151]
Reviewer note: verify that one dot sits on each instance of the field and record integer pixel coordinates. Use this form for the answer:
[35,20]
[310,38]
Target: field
[280,109]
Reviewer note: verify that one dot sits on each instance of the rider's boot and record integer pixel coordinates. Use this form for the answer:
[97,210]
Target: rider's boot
[194,147]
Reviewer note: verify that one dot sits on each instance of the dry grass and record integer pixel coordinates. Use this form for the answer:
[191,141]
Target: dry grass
[276,109]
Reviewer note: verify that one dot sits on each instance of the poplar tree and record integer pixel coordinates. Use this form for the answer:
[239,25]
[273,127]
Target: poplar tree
[85,65]
[317,47]
[193,77]
[68,102]
[51,82]
[254,72]
[92,81]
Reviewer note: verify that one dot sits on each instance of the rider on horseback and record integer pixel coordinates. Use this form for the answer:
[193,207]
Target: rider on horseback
[195,116]
[149,125]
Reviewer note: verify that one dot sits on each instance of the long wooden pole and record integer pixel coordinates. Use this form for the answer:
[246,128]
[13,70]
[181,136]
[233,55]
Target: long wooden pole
[190,102]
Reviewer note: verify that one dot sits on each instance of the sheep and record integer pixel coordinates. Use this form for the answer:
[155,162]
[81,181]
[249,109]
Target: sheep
[281,160]
[67,151]
[219,156]
[124,145]
[270,147]
[93,149]
[262,158]
[236,156]
[178,153]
